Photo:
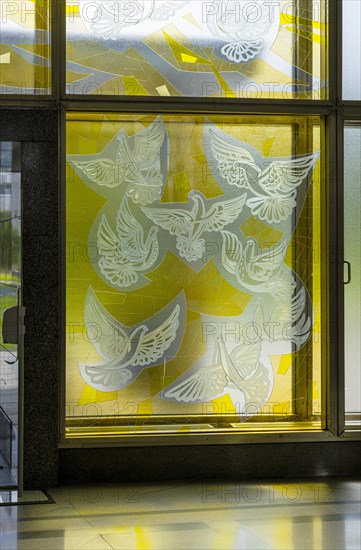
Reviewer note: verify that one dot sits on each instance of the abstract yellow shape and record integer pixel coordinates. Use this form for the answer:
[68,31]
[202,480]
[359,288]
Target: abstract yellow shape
[201,159]
[180,52]
[133,86]
[192,315]
[90,395]
[282,408]
[226,90]
[5,58]
[72,9]
[145,408]
[182,187]
[267,146]
[87,396]
[223,405]
[315,394]
[275,361]
[188,58]
[285,363]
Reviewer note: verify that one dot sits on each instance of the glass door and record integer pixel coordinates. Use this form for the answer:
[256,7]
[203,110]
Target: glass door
[10,316]
[352,235]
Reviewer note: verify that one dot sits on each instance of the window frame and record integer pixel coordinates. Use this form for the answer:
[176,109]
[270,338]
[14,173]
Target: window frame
[336,113]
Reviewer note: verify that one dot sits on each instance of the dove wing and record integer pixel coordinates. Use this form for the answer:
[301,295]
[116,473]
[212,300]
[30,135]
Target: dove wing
[128,229]
[266,262]
[176,221]
[256,388]
[107,27]
[231,251]
[205,384]
[122,255]
[105,379]
[114,261]
[294,319]
[283,176]
[245,358]
[157,341]
[107,240]
[106,333]
[223,213]
[290,312]
[230,159]
[103,171]
[147,145]
[258,22]
[143,187]
[227,153]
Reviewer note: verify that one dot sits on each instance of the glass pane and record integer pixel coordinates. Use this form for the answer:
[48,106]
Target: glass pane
[25,47]
[216,48]
[10,282]
[193,277]
[351,49]
[352,201]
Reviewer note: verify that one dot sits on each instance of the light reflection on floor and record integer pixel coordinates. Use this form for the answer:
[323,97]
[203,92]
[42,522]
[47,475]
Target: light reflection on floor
[312,514]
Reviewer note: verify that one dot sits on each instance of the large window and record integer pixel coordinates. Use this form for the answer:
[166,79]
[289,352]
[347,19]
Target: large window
[210,194]
[258,49]
[193,270]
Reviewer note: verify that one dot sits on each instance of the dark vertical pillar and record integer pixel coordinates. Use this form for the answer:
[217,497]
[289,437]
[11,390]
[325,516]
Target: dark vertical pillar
[37,130]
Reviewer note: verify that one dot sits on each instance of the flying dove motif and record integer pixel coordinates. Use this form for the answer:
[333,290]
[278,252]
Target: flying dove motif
[135,164]
[189,225]
[127,350]
[272,183]
[245,27]
[125,252]
[241,368]
[289,320]
[255,269]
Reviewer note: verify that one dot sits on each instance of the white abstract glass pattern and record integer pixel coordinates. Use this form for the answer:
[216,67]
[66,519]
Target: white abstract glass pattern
[128,349]
[221,303]
[216,48]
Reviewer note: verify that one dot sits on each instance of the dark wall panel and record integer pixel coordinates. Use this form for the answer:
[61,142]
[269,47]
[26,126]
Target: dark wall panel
[232,462]
[37,129]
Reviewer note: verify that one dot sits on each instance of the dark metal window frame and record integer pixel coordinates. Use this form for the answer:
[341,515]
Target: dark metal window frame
[336,113]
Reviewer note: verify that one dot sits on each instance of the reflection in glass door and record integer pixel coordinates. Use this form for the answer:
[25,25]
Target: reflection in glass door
[10,299]
[352,232]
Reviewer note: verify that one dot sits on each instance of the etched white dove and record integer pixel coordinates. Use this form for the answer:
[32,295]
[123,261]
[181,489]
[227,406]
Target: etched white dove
[125,252]
[240,369]
[272,183]
[189,224]
[255,269]
[127,350]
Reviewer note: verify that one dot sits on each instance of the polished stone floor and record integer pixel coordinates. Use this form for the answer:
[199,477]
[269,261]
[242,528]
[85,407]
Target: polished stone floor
[307,514]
